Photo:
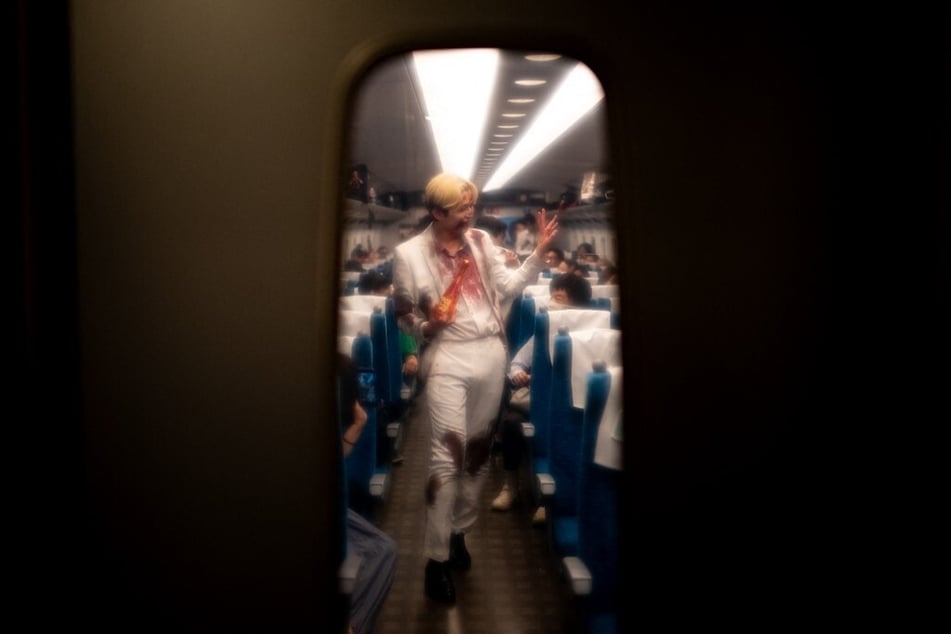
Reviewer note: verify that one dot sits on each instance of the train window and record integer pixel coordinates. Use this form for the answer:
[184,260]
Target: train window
[528,129]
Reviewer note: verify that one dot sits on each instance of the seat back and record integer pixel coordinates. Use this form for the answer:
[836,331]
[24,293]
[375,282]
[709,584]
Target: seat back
[573,357]
[353,322]
[364,303]
[528,308]
[512,326]
[343,485]
[387,385]
[360,463]
[375,315]
[547,324]
[590,345]
[394,352]
[520,323]
[540,301]
[381,357]
[601,303]
[540,390]
[576,319]
[605,290]
[345,344]
[536,290]
[565,427]
[386,337]
[598,515]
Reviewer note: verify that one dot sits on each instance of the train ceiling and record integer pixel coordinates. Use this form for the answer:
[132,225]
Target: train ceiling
[390,135]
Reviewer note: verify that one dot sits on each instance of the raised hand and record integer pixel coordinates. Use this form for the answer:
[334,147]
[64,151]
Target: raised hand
[547,230]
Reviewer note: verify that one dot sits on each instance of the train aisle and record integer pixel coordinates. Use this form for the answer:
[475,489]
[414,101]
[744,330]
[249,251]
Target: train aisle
[513,586]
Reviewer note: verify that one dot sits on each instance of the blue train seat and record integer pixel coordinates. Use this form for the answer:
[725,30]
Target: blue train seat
[536,430]
[565,424]
[573,356]
[394,352]
[601,303]
[363,303]
[593,571]
[521,322]
[366,483]
[347,563]
[381,324]
[353,322]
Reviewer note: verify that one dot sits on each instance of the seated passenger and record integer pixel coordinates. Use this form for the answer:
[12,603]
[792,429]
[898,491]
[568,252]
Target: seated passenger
[525,238]
[359,256]
[376,549]
[608,275]
[496,230]
[565,291]
[577,268]
[555,261]
[583,251]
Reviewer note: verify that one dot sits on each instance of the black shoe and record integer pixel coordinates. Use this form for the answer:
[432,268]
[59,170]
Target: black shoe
[459,558]
[439,585]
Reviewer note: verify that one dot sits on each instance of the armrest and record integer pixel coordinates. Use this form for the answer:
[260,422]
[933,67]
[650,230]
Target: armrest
[578,575]
[528,430]
[546,483]
[392,430]
[347,574]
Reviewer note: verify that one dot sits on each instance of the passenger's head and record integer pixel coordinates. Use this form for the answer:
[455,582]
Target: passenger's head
[568,290]
[554,257]
[574,267]
[374,283]
[358,253]
[584,249]
[493,226]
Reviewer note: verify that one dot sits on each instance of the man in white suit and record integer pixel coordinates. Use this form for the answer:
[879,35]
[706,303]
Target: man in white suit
[463,359]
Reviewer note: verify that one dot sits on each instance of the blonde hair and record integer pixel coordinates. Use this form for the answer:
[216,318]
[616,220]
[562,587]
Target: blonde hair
[445,191]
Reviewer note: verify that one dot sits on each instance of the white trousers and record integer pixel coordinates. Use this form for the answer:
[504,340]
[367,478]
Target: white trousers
[463,394]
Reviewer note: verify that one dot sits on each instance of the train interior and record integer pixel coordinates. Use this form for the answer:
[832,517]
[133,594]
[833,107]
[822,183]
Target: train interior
[547,110]
[199,188]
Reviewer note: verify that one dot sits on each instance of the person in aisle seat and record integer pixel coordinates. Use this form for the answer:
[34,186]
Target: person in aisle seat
[565,291]
[376,549]
[449,287]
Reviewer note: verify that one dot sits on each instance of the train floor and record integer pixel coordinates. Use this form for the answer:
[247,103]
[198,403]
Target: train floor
[514,585]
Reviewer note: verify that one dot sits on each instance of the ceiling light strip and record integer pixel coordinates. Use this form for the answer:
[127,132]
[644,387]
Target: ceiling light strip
[457,88]
[577,94]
